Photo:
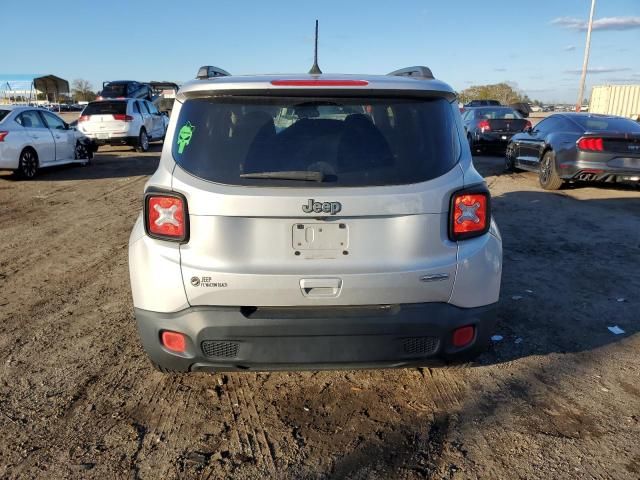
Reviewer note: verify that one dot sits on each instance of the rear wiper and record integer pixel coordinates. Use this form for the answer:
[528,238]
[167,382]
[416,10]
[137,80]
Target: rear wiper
[288,175]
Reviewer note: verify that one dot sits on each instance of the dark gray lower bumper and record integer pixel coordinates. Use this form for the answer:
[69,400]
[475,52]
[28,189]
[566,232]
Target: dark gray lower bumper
[233,338]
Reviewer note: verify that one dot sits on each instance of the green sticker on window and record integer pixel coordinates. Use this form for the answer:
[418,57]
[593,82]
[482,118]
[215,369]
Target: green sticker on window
[184,136]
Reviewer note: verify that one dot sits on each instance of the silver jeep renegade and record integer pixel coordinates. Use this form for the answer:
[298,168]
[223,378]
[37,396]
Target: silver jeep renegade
[314,221]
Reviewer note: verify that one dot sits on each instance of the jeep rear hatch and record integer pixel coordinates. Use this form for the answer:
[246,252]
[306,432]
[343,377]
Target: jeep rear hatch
[308,200]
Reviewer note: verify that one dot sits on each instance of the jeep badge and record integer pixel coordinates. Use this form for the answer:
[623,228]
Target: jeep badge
[322,207]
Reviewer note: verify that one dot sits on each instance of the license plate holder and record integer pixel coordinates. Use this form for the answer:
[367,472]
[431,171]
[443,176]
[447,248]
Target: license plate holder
[102,136]
[320,236]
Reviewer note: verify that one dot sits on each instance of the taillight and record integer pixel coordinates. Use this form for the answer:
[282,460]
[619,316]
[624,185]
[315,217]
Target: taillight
[166,216]
[83,118]
[3,135]
[591,144]
[122,117]
[484,126]
[470,214]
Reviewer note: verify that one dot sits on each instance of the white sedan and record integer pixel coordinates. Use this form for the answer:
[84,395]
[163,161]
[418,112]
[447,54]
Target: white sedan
[32,138]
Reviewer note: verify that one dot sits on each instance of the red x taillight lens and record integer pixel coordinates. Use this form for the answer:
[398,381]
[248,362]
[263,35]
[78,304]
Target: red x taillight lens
[3,135]
[166,216]
[470,214]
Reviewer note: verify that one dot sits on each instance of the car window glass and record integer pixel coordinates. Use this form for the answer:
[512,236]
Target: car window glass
[54,123]
[497,114]
[604,124]
[30,119]
[152,108]
[358,141]
[143,107]
[545,126]
[4,113]
[114,107]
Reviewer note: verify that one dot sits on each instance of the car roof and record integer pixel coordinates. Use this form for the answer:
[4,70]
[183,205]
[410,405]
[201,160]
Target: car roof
[20,108]
[391,83]
[586,114]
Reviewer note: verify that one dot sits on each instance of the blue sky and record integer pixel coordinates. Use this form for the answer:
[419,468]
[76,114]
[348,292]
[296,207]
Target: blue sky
[536,45]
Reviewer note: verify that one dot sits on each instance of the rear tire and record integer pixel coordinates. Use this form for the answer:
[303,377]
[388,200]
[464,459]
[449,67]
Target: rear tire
[28,164]
[548,175]
[509,160]
[143,141]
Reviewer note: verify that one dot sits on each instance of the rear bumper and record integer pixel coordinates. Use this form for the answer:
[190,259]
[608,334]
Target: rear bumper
[595,170]
[113,140]
[231,338]
[493,140]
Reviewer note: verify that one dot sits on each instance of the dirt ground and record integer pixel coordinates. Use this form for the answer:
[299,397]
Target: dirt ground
[558,397]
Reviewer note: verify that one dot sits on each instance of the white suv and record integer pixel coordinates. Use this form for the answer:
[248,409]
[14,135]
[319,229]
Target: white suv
[315,221]
[133,122]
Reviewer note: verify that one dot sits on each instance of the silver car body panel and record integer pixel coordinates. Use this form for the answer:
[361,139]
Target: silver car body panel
[241,250]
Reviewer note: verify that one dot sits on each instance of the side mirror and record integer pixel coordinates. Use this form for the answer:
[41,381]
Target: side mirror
[528,129]
[66,126]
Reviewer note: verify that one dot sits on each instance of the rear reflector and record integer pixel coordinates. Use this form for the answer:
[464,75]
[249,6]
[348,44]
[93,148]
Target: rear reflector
[591,144]
[174,341]
[122,117]
[3,135]
[166,216]
[470,214]
[320,83]
[463,336]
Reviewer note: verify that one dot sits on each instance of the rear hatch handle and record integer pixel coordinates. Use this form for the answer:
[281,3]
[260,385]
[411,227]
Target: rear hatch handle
[321,287]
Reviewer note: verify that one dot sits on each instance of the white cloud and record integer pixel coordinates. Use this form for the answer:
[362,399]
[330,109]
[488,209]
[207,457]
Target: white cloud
[569,48]
[606,23]
[598,70]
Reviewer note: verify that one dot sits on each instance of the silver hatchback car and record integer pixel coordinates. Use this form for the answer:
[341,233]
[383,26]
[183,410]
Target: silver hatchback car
[315,221]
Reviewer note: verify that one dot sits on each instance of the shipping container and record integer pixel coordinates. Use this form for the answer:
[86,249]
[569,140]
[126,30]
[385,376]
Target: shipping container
[622,100]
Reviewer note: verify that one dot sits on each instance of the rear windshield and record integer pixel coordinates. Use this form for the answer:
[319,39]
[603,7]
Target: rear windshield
[4,113]
[115,90]
[497,113]
[105,108]
[350,141]
[606,124]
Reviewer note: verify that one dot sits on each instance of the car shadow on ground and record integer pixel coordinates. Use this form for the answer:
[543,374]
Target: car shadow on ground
[113,162]
[565,276]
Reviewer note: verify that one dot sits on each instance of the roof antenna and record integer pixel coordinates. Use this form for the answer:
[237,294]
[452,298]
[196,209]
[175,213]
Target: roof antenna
[315,69]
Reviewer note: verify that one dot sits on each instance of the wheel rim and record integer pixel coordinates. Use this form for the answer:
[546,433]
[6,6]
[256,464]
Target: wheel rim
[508,158]
[144,140]
[545,170]
[29,164]
[81,152]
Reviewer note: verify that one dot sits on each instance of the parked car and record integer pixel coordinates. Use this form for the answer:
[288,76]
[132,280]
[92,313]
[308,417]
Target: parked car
[482,103]
[125,89]
[314,221]
[492,127]
[578,146]
[33,138]
[123,122]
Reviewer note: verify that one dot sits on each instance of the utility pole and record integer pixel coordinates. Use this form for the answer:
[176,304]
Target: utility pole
[585,64]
